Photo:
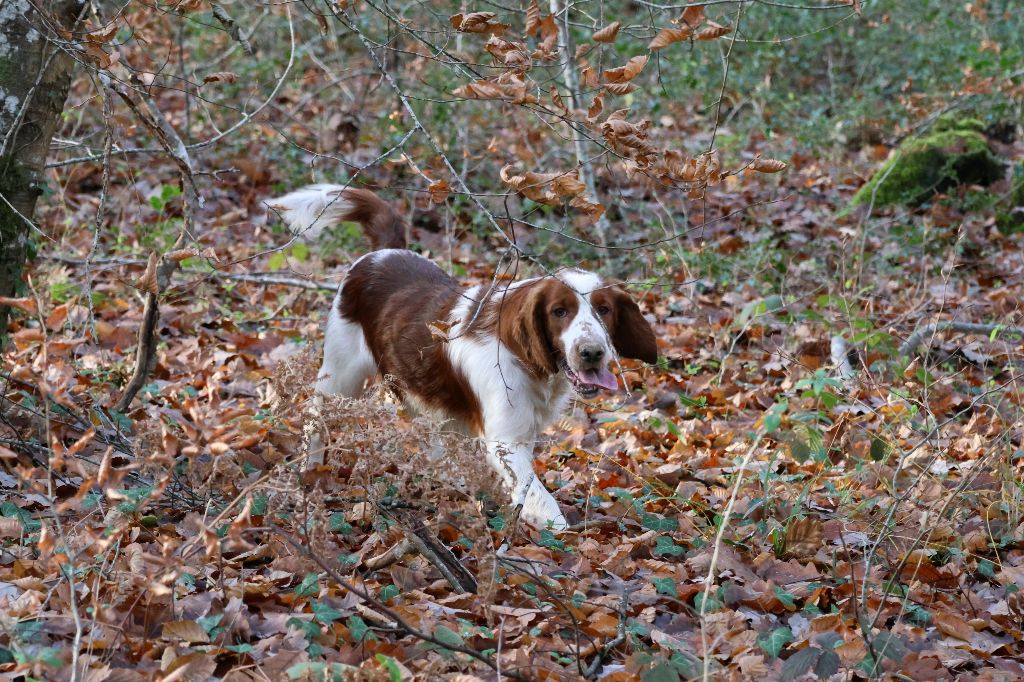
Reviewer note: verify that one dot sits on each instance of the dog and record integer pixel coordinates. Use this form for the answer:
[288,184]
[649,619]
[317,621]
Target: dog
[501,362]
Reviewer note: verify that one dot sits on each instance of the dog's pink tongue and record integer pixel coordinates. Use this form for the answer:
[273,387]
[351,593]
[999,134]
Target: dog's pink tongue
[600,377]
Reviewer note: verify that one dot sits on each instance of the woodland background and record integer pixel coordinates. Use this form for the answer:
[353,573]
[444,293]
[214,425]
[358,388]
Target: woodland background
[820,479]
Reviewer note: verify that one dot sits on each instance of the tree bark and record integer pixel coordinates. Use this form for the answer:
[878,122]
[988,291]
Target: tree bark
[35,74]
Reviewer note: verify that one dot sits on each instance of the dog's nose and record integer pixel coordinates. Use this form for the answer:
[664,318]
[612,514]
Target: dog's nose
[591,353]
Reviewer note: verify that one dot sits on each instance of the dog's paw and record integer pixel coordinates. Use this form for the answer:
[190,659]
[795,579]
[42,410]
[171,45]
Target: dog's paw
[541,510]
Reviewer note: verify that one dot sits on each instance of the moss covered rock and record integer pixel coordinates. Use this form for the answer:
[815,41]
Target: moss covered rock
[955,152]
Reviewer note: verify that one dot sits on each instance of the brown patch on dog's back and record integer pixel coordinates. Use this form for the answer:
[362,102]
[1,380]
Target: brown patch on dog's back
[396,298]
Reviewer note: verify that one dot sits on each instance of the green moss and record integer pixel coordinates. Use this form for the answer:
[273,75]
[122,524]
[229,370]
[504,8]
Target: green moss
[922,166]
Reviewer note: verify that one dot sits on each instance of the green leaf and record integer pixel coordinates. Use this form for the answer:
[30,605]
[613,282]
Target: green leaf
[308,628]
[208,623]
[548,539]
[359,629]
[827,665]
[799,664]
[242,648]
[787,598]
[798,448]
[389,664]
[497,522]
[300,251]
[277,261]
[309,586]
[664,546]
[666,586]
[773,642]
[448,637]
[879,449]
[663,672]
[325,613]
[655,522]
[388,592]
[890,646]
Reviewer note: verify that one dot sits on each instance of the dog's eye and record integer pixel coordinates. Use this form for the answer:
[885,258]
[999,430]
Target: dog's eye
[603,310]
[559,312]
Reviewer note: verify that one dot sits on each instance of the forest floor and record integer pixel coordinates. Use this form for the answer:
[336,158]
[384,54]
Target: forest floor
[854,524]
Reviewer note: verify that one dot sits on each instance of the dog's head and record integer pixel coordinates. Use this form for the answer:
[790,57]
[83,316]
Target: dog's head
[576,324]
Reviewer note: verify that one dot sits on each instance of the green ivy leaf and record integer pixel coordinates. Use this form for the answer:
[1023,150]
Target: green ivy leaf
[799,664]
[773,642]
[666,586]
[359,630]
[664,546]
[325,613]
[309,586]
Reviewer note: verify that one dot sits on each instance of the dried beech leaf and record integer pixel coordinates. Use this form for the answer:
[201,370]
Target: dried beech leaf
[627,71]
[596,107]
[558,101]
[532,18]
[568,185]
[667,36]
[185,630]
[608,33]
[220,77]
[692,16]
[104,34]
[26,305]
[439,191]
[147,282]
[476,22]
[713,32]
[620,88]
[767,165]
[804,537]
[589,77]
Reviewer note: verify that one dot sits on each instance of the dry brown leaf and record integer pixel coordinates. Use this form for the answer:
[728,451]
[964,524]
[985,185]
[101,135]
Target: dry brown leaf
[692,16]
[620,88]
[439,191]
[627,71]
[568,185]
[220,77]
[104,34]
[953,625]
[558,101]
[26,305]
[476,22]
[803,537]
[667,36]
[195,667]
[608,33]
[767,165]
[713,32]
[532,18]
[147,282]
[596,107]
[589,77]
[10,527]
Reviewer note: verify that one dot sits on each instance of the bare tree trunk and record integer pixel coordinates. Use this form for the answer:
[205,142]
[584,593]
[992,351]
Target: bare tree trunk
[35,74]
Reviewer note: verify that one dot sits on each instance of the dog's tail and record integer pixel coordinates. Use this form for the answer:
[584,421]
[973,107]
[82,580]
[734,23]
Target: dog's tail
[309,210]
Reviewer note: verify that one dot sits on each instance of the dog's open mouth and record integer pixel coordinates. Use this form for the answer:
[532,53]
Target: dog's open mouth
[588,382]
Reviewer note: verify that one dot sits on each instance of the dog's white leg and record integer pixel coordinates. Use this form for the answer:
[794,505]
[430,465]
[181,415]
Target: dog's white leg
[514,461]
[347,364]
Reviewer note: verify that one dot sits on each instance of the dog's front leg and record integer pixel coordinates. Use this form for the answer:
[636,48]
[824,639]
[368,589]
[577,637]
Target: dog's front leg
[514,461]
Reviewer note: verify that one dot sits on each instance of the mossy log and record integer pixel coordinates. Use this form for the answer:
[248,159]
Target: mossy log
[954,153]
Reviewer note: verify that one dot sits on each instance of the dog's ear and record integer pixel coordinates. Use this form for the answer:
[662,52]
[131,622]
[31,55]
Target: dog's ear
[523,327]
[631,335]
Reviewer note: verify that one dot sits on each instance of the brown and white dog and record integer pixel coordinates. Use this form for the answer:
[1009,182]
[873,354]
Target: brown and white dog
[513,354]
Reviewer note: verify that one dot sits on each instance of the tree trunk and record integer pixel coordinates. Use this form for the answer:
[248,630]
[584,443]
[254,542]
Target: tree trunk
[35,74]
